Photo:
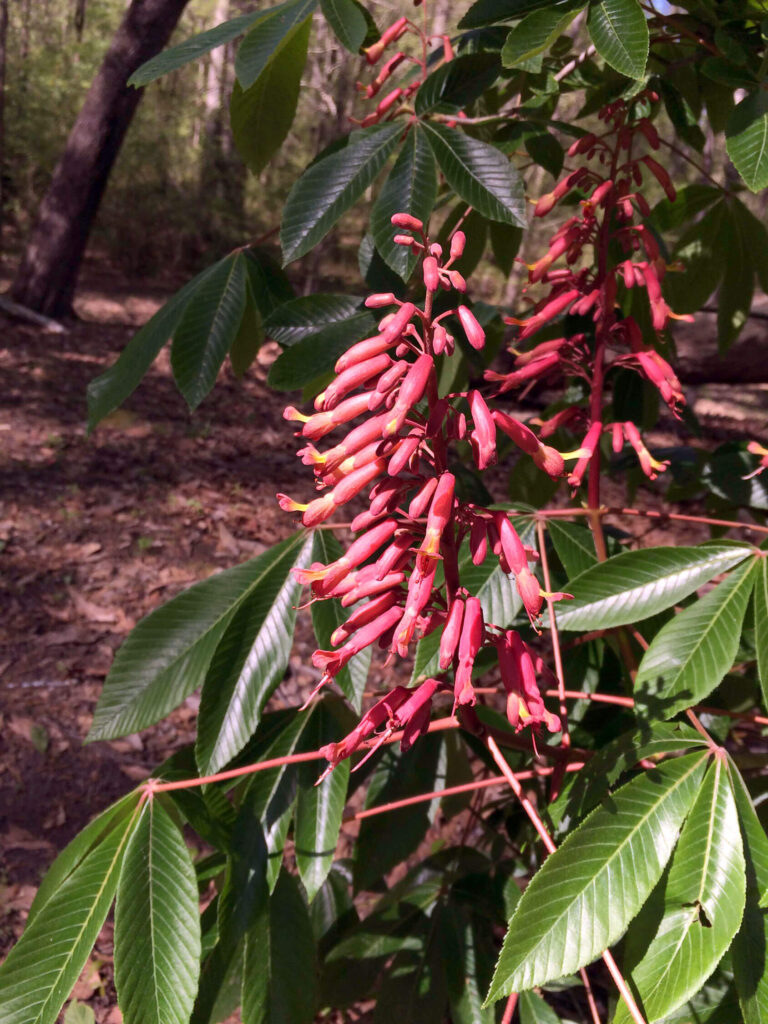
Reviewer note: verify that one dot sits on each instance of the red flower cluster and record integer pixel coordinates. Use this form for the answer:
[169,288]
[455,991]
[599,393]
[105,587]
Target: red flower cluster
[415,524]
[610,220]
[392,102]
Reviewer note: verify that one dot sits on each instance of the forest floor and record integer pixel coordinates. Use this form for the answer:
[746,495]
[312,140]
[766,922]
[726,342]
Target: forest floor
[97,531]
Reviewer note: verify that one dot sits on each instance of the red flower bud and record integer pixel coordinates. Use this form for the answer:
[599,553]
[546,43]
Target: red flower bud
[352,378]
[405,220]
[470,642]
[449,641]
[422,498]
[482,437]
[411,392]
[474,332]
[367,613]
[379,299]
[431,275]
[458,241]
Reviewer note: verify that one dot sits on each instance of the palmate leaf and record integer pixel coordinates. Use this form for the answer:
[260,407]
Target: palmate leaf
[534,1010]
[455,84]
[747,139]
[574,545]
[330,186]
[734,298]
[319,812]
[78,849]
[279,984]
[588,786]
[761,626]
[586,893]
[267,36]
[44,965]
[261,115]
[480,174]
[316,353]
[637,584]
[410,188]
[703,900]
[691,654]
[193,48]
[307,315]
[386,840]
[348,21]
[620,33]
[168,654]
[157,924]
[750,962]
[486,12]
[208,328]
[537,31]
[271,793]
[250,659]
[109,390]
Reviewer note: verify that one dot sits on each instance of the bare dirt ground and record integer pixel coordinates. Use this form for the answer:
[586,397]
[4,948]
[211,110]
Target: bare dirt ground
[97,531]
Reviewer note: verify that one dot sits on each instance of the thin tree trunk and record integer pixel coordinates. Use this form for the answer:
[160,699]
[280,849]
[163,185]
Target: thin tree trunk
[3,53]
[48,271]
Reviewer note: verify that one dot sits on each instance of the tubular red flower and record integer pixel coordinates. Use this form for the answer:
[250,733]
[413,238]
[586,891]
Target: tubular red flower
[474,332]
[470,642]
[482,436]
[351,378]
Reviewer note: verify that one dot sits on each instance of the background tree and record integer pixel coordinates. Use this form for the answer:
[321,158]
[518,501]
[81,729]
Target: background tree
[47,274]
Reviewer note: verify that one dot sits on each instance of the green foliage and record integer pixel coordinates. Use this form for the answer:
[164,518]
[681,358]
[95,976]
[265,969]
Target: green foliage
[661,848]
[603,873]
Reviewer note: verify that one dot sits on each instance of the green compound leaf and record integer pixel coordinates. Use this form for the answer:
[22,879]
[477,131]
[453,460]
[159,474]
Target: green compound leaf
[586,893]
[42,968]
[320,806]
[193,48]
[750,962]
[157,924]
[747,139]
[703,900]
[267,36]
[261,115]
[279,971]
[691,654]
[168,654]
[455,84]
[208,328]
[329,187]
[536,32]
[761,626]
[479,174]
[251,658]
[637,584]
[620,33]
[348,21]
[410,188]
[109,390]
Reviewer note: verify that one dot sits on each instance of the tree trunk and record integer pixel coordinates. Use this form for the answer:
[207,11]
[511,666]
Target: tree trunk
[48,271]
[3,52]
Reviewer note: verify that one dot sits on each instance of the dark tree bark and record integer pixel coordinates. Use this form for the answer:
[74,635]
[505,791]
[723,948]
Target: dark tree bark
[47,275]
[3,53]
